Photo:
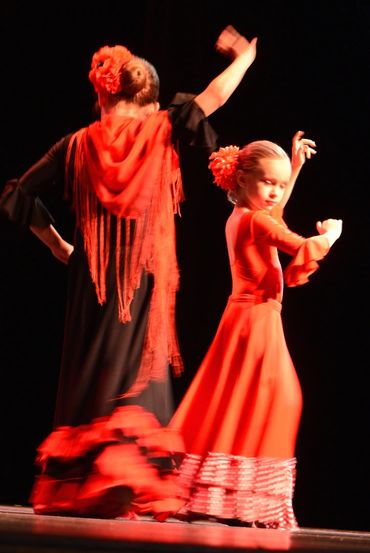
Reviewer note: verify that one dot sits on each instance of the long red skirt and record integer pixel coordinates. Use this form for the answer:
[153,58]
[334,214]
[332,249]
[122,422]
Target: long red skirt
[239,420]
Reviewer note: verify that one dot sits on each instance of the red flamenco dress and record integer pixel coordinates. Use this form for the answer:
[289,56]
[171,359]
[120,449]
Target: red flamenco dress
[110,453]
[240,416]
[123,178]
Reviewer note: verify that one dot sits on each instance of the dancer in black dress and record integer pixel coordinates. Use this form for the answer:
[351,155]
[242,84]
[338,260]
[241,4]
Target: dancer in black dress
[109,454]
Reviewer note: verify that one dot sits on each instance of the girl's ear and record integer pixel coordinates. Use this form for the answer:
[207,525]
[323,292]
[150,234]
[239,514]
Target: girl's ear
[241,178]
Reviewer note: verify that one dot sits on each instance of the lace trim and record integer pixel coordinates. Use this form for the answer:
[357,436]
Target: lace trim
[257,491]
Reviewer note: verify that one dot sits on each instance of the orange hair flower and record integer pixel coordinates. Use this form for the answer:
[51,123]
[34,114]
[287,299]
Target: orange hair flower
[223,166]
[106,67]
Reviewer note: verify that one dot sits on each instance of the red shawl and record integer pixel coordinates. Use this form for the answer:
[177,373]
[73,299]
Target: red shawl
[130,168]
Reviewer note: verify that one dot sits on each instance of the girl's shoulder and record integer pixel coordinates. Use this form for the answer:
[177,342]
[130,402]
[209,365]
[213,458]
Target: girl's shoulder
[244,217]
[239,221]
[273,216]
[259,222]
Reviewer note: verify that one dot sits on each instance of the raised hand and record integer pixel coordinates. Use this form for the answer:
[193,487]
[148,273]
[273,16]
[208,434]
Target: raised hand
[302,149]
[232,44]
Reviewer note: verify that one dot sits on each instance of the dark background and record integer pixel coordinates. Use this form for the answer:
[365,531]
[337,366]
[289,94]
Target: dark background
[311,73]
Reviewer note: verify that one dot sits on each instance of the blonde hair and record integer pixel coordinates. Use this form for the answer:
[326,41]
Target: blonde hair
[251,154]
[249,158]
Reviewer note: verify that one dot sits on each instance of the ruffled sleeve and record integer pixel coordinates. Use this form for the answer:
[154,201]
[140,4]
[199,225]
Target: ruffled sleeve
[270,228]
[22,208]
[20,198]
[190,125]
[305,261]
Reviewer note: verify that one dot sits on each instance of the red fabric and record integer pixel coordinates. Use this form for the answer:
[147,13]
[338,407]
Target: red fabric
[246,393]
[245,401]
[130,168]
[125,159]
[254,238]
[104,469]
[305,261]
[71,442]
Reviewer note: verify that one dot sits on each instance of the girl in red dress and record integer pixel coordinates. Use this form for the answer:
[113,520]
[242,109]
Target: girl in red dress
[240,416]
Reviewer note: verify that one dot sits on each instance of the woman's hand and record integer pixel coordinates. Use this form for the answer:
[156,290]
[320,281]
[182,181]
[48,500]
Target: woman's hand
[219,90]
[232,44]
[62,251]
[302,149]
[52,239]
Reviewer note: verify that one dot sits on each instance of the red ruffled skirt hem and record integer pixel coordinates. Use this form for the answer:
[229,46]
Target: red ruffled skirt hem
[119,466]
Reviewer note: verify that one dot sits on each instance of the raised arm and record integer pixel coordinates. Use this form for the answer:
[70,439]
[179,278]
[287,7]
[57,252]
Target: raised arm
[242,52]
[302,149]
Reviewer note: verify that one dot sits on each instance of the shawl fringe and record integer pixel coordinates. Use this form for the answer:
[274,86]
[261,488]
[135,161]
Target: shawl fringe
[145,229]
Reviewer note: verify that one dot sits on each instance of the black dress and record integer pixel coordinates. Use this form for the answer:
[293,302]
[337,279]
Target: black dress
[101,355]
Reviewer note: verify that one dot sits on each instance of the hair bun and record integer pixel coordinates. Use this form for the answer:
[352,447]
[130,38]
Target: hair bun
[133,78]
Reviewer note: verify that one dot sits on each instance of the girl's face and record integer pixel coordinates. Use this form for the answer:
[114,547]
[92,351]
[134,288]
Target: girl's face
[264,188]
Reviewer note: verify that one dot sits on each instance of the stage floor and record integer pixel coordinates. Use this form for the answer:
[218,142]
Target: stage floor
[21,531]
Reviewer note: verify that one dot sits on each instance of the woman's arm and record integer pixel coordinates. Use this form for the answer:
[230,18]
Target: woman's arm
[52,239]
[21,204]
[302,149]
[243,53]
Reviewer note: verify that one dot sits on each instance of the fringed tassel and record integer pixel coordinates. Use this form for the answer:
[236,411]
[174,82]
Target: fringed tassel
[118,272]
[152,248]
[103,252]
[93,221]
[174,353]
[124,290]
[177,192]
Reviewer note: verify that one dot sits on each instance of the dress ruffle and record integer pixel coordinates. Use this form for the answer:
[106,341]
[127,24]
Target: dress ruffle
[305,262]
[22,208]
[121,465]
[191,117]
[255,491]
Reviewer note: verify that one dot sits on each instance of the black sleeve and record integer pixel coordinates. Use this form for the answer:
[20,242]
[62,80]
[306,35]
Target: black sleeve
[20,200]
[190,125]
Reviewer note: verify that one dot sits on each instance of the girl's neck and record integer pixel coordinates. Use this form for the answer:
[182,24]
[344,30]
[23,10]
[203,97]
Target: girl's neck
[241,205]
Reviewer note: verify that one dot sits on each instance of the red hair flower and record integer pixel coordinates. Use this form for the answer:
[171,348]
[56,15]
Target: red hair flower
[223,166]
[106,67]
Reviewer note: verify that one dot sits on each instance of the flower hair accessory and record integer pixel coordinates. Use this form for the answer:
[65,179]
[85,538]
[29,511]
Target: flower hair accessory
[106,68]
[223,166]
